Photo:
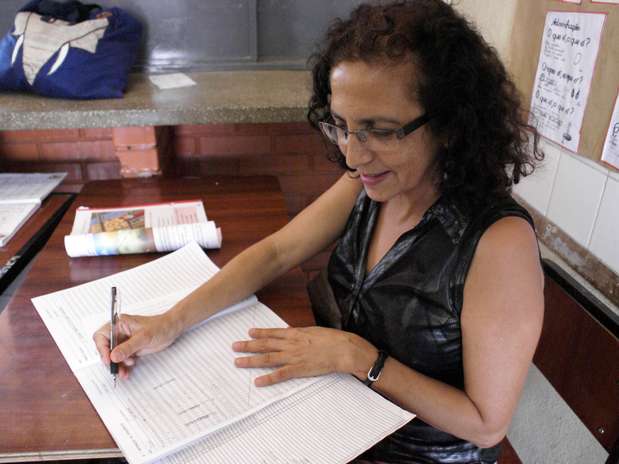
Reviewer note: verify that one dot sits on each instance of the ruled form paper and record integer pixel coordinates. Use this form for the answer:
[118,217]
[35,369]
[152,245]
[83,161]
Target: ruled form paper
[332,421]
[69,314]
[191,396]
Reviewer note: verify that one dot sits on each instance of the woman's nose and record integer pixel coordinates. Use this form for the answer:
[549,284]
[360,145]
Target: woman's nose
[356,153]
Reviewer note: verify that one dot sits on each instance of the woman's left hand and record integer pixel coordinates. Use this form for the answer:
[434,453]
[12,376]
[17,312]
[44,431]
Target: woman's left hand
[305,352]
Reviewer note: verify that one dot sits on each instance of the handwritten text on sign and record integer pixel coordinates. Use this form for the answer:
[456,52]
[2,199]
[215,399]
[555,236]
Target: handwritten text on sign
[566,61]
[610,152]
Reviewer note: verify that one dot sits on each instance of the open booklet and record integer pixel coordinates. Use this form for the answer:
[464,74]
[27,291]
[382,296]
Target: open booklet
[140,229]
[20,196]
[189,403]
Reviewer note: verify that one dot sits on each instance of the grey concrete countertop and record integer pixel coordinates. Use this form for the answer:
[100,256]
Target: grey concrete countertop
[218,97]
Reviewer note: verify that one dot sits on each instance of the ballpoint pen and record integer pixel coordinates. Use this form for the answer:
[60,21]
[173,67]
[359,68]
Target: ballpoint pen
[113,317]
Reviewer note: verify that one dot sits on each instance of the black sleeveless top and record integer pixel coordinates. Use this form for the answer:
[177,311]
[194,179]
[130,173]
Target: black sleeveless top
[409,305]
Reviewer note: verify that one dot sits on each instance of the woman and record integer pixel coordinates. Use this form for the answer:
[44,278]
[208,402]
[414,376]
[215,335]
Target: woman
[435,278]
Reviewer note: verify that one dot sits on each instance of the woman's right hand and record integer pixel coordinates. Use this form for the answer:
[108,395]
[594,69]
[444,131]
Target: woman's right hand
[137,335]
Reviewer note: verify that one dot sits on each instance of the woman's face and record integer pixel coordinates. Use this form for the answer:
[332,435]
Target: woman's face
[375,96]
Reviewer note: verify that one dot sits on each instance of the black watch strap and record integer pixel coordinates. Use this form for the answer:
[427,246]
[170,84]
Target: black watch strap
[376,369]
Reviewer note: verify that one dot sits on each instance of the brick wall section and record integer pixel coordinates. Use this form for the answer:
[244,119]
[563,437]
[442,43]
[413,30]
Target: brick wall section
[293,152]
[85,154]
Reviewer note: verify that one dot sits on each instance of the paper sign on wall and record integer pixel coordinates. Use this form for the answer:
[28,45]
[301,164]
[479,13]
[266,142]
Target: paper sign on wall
[567,57]
[610,152]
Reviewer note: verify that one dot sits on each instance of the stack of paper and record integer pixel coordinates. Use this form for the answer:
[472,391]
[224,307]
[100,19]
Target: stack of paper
[20,196]
[189,403]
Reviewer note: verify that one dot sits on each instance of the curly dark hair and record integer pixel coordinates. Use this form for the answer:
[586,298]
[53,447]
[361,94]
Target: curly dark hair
[463,86]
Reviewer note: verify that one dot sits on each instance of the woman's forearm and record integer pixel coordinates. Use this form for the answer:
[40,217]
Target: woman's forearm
[242,276]
[440,405]
[308,233]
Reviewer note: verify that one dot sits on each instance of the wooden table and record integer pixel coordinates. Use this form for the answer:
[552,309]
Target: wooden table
[44,414]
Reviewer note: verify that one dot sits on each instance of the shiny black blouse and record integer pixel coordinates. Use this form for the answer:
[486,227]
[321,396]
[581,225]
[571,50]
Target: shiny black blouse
[409,305]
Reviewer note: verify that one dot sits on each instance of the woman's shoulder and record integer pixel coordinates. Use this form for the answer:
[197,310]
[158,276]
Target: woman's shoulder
[466,223]
[509,232]
[508,235]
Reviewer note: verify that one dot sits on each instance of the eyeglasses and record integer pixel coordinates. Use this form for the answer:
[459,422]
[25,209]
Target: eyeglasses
[372,138]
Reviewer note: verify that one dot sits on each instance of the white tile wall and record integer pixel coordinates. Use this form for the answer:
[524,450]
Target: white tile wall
[580,196]
[605,238]
[576,196]
[537,188]
[593,164]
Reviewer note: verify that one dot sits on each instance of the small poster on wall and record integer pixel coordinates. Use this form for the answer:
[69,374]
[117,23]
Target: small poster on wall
[565,68]
[610,152]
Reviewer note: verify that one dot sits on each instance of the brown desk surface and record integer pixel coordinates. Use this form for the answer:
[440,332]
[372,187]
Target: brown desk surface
[44,412]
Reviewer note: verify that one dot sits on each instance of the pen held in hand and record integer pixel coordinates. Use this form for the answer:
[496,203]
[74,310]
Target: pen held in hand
[113,341]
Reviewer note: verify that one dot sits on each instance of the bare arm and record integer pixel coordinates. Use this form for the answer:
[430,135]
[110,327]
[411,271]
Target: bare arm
[501,322]
[312,230]
[309,232]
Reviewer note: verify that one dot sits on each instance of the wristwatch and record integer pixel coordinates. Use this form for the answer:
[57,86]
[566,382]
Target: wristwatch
[376,369]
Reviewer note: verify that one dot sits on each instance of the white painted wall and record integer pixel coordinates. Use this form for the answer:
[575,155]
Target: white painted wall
[493,18]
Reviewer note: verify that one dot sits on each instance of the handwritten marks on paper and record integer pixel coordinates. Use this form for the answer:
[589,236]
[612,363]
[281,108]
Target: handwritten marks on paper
[565,68]
[610,152]
[187,404]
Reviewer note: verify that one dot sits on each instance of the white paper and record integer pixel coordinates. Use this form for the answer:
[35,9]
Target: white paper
[189,403]
[68,317]
[331,421]
[171,81]
[12,217]
[180,394]
[206,234]
[610,152]
[564,72]
[34,187]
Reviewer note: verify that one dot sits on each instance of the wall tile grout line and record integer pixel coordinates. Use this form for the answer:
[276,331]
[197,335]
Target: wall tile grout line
[597,213]
[555,174]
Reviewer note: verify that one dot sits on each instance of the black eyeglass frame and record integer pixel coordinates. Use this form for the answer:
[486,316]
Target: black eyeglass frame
[362,134]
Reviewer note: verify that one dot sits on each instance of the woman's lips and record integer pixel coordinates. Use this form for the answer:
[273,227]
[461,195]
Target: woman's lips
[373,179]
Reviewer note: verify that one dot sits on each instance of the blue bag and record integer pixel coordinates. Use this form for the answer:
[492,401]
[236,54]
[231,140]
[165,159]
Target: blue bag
[69,50]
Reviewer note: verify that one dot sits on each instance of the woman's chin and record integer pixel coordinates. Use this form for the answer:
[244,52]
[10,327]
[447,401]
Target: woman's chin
[376,194]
